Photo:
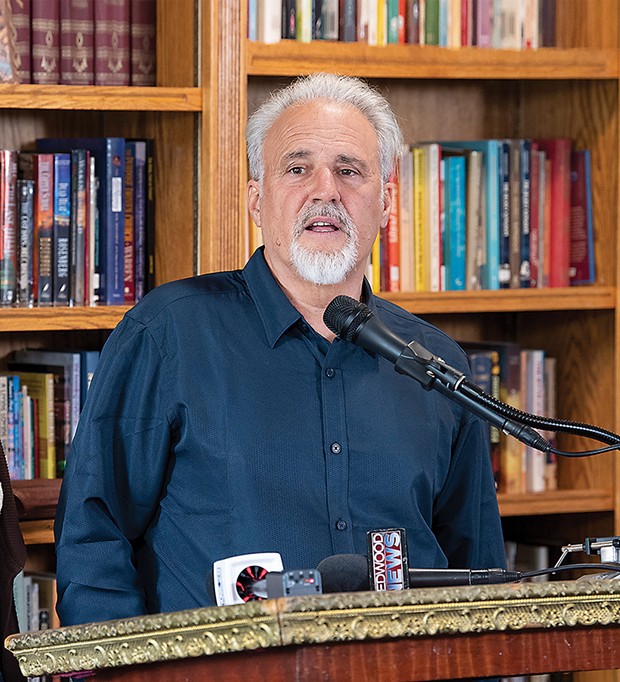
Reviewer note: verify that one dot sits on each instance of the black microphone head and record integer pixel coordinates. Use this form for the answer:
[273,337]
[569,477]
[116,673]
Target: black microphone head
[344,573]
[344,316]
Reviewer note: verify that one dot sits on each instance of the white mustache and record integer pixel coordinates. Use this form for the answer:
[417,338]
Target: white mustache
[326,210]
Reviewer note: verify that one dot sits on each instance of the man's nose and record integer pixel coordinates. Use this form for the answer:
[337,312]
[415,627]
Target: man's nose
[325,186]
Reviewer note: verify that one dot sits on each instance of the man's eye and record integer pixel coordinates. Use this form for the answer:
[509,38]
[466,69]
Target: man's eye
[296,170]
[348,171]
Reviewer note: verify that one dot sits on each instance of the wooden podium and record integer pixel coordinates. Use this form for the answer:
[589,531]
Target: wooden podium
[425,634]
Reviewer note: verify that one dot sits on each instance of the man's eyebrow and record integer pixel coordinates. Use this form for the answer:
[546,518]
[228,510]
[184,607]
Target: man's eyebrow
[353,161]
[297,154]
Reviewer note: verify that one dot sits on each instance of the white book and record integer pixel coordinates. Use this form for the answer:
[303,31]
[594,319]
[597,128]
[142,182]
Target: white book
[269,21]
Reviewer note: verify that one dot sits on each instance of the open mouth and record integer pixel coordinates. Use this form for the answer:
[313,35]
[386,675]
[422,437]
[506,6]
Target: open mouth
[322,226]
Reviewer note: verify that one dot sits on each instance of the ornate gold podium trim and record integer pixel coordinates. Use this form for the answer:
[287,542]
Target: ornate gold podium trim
[317,619]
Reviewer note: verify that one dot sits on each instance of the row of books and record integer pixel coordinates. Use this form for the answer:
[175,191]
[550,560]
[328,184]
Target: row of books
[501,24]
[80,42]
[77,222]
[488,214]
[41,395]
[525,379]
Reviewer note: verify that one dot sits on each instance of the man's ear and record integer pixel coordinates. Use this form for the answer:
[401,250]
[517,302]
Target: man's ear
[253,199]
[387,199]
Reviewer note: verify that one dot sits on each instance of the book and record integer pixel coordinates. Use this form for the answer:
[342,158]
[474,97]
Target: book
[269,18]
[330,11]
[432,208]
[77,40]
[112,42]
[66,368]
[143,48]
[9,58]
[88,364]
[41,388]
[20,11]
[149,247]
[474,218]
[419,219]
[504,270]
[137,150]
[8,227]
[80,187]
[45,37]
[581,225]
[533,394]
[515,213]
[557,152]
[40,169]
[392,251]
[454,246]
[536,214]
[109,155]
[129,279]
[289,19]
[25,244]
[347,19]
[525,148]
[62,228]
[405,201]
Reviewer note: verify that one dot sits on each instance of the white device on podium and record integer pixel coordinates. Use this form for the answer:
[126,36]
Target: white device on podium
[234,577]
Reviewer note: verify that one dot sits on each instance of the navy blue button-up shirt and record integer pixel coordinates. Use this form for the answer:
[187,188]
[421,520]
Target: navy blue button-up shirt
[219,423]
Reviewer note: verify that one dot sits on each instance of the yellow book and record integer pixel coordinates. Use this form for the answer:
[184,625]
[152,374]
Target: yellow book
[41,388]
[375,264]
[419,220]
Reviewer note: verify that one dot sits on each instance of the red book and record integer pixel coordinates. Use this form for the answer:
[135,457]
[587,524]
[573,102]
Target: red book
[77,25]
[393,242]
[112,42]
[142,41]
[20,11]
[45,22]
[558,152]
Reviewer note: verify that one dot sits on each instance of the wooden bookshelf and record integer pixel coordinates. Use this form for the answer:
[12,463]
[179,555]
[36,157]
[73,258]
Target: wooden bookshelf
[210,77]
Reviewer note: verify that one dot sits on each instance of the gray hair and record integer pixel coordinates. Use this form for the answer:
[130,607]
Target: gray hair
[343,89]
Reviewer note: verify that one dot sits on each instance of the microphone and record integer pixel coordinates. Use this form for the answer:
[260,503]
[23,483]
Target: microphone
[389,561]
[353,321]
[350,573]
[254,577]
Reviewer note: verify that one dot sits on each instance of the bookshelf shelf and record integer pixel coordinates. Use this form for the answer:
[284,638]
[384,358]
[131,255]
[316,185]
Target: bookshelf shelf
[60,319]
[100,98]
[507,300]
[557,502]
[292,58]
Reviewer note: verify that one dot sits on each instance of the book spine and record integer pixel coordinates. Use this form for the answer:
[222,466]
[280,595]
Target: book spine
[269,21]
[419,236]
[150,215]
[130,242]
[43,227]
[534,214]
[25,276]
[8,227]
[525,260]
[20,10]
[139,215]
[77,25]
[113,236]
[112,42]
[45,36]
[329,20]
[142,42]
[62,228]
[581,228]
[79,217]
[347,19]
[455,257]
[504,240]
[393,242]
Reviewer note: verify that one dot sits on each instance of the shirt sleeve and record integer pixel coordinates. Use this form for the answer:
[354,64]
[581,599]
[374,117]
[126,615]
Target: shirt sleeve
[113,481]
[466,519]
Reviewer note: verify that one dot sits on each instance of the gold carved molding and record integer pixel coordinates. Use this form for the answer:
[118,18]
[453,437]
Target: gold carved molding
[318,620]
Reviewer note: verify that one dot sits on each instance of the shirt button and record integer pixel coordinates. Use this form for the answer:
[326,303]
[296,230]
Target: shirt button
[330,373]
[336,448]
[341,524]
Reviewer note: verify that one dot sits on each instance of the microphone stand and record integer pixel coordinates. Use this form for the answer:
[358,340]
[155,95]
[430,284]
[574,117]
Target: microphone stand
[433,373]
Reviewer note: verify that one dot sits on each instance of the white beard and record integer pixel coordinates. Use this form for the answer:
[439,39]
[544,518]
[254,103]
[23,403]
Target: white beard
[325,267]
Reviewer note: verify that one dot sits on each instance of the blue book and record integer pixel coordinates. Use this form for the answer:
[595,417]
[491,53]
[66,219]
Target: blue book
[455,227]
[61,229]
[109,155]
[88,365]
[490,151]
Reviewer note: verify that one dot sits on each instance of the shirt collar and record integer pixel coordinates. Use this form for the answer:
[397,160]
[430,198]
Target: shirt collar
[276,312]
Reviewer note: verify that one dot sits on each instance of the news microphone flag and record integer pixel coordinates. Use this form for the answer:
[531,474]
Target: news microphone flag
[388,565]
